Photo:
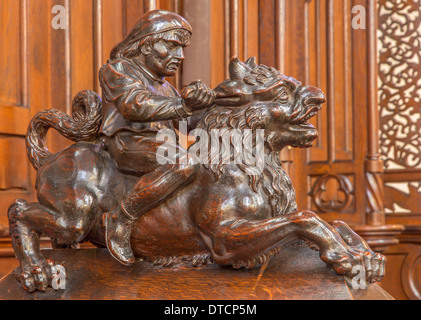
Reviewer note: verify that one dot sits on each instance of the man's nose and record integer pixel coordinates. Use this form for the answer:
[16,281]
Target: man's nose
[179,53]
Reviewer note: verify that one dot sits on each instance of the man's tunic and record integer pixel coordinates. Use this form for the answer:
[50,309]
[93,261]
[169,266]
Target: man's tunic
[135,100]
[136,106]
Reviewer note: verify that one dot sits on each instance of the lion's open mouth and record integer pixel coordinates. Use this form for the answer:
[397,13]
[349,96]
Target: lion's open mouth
[301,122]
[309,113]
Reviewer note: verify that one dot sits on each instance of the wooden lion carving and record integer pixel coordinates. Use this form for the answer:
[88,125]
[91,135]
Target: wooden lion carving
[227,212]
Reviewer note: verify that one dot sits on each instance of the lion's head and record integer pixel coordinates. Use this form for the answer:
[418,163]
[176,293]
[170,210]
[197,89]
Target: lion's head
[269,100]
[257,98]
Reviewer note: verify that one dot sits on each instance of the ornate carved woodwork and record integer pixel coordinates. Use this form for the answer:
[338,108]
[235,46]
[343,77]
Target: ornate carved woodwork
[332,193]
[399,30]
[399,102]
[400,89]
[311,40]
[325,51]
[322,50]
[111,189]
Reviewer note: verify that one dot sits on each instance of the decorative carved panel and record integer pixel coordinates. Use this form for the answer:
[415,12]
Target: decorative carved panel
[324,50]
[332,193]
[399,70]
[399,46]
[399,51]
[403,197]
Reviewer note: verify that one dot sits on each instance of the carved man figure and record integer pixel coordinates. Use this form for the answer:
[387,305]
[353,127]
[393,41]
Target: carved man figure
[137,103]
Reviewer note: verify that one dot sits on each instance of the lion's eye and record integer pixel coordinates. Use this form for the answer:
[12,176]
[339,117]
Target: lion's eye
[282,97]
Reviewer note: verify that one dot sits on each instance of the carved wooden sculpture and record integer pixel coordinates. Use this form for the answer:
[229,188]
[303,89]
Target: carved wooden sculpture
[181,212]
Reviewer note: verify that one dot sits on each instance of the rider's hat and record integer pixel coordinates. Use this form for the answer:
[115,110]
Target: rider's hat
[159,21]
[153,22]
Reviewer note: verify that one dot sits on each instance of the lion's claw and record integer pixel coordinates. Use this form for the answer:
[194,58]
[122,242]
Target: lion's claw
[344,263]
[35,277]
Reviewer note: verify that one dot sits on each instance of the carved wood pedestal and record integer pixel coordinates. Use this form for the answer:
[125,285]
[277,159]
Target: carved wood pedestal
[297,273]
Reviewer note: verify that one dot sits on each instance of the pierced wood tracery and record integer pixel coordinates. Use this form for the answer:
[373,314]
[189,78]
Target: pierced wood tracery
[399,49]
[400,83]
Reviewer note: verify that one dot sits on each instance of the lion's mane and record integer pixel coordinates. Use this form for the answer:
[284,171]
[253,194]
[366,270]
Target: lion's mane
[280,191]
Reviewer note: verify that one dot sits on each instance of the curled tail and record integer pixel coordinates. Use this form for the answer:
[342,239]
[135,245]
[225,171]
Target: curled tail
[82,126]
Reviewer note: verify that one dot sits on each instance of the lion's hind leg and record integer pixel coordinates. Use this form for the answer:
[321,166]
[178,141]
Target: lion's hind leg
[27,222]
[35,271]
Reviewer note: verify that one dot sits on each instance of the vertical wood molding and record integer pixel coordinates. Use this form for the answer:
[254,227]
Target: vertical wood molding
[97,32]
[348,127]
[280,35]
[124,18]
[198,54]
[67,50]
[373,110]
[245,29]
[287,154]
[24,52]
[234,28]
[330,79]
[150,5]
[374,165]
[227,35]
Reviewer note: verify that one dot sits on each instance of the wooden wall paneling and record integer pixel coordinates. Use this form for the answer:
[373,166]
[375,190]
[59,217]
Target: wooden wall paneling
[251,28]
[133,9]
[222,29]
[199,16]
[29,47]
[342,112]
[72,59]
[24,96]
[151,5]
[112,28]
[316,74]
[320,52]
[14,112]
[378,234]
[82,45]
[400,117]
[60,72]
[10,57]
[13,168]
[14,119]
[267,23]
[218,45]
[374,170]
[403,279]
[399,125]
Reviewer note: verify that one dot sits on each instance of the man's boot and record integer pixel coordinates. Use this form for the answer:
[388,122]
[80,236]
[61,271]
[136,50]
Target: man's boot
[118,230]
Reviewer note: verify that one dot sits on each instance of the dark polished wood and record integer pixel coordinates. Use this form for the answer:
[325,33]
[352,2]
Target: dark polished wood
[116,188]
[342,176]
[310,40]
[296,274]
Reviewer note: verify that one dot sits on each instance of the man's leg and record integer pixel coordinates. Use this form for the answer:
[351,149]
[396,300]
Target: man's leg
[151,190]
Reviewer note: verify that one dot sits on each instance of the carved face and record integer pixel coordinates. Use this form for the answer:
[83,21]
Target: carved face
[164,56]
[284,106]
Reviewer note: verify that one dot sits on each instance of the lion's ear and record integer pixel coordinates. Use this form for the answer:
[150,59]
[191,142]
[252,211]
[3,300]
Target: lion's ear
[238,70]
[251,63]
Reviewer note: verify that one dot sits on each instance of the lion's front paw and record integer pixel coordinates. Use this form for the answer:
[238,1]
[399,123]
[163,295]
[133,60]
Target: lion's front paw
[351,262]
[374,265]
[35,276]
